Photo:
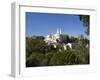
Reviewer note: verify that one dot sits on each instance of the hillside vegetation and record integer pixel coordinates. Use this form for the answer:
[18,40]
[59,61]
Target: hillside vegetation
[38,54]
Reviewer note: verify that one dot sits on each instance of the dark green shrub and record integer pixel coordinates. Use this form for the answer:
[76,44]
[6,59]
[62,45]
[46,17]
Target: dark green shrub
[36,59]
[49,56]
[68,58]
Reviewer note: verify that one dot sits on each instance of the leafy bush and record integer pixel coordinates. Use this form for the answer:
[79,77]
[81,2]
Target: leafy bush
[39,54]
[49,57]
[69,58]
[35,45]
[36,59]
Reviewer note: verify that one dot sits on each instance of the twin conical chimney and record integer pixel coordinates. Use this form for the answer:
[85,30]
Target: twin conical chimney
[58,31]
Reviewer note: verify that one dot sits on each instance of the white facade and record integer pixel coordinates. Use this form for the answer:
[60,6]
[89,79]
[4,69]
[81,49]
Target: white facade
[52,38]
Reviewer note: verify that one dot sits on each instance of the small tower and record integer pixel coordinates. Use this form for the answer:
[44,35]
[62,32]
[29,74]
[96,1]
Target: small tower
[57,31]
[60,30]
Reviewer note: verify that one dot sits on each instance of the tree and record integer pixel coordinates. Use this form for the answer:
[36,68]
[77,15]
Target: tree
[37,37]
[36,59]
[83,41]
[85,20]
[65,38]
[35,44]
[68,57]
[73,39]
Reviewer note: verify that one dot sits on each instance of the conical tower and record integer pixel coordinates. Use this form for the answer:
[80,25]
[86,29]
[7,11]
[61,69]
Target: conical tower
[57,31]
[60,30]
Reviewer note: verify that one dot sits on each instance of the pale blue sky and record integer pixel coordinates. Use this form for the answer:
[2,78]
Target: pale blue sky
[46,23]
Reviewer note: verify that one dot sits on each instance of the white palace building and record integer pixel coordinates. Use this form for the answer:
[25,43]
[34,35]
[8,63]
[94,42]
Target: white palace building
[53,38]
[56,39]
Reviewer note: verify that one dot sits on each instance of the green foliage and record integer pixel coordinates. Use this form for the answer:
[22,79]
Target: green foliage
[37,37]
[85,20]
[69,58]
[58,58]
[39,54]
[36,59]
[49,57]
[83,41]
[65,38]
[35,45]
[73,39]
